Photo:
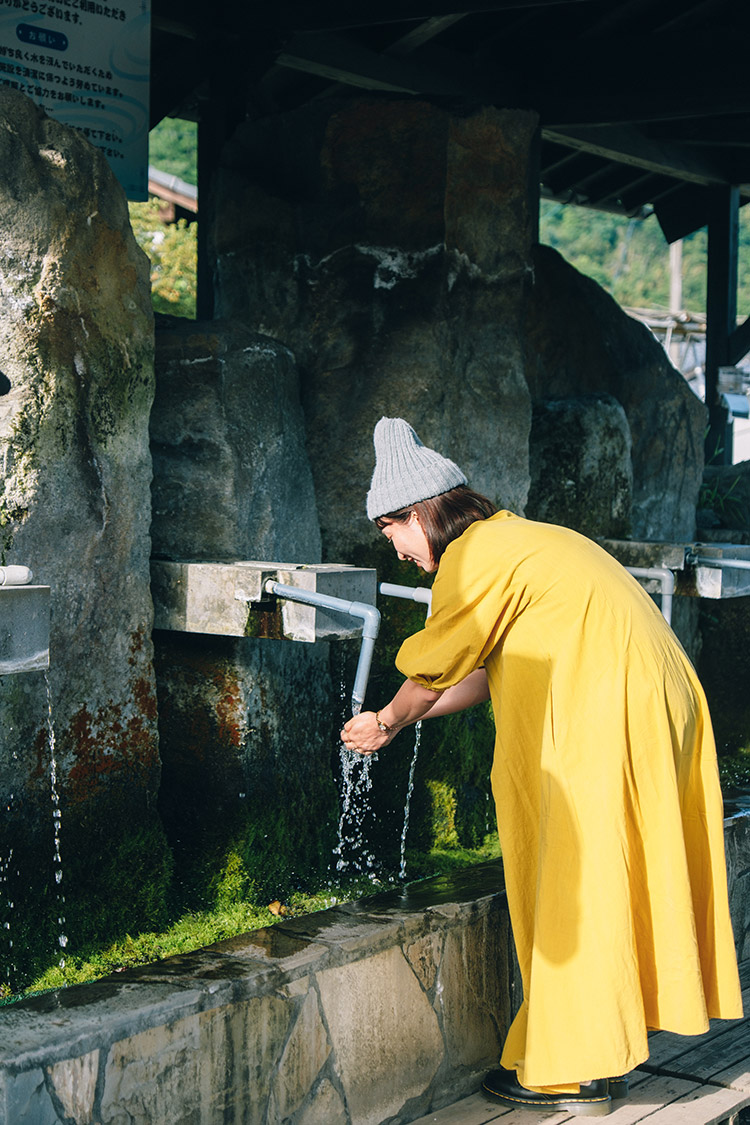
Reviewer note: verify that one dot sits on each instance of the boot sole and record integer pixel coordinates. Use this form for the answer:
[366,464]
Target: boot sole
[599,1107]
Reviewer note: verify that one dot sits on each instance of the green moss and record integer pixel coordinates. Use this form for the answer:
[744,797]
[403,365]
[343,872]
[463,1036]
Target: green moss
[112,883]
[443,802]
[196,929]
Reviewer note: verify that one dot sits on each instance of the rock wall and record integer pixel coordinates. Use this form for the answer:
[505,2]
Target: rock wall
[581,465]
[247,728]
[578,341]
[387,244]
[76,346]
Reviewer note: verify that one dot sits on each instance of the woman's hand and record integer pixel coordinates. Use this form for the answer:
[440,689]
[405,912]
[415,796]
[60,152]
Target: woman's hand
[363,735]
[409,704]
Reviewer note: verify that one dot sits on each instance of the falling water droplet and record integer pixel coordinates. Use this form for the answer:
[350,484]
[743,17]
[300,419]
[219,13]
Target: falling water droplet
[409,791]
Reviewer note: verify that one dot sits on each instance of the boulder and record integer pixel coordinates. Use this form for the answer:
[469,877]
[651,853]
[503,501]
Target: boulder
[231,475]
[577,340]
[581,469]
[386,243]
[247,727]
[79,762]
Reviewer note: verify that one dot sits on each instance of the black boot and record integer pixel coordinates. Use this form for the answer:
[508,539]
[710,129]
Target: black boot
[593,1100]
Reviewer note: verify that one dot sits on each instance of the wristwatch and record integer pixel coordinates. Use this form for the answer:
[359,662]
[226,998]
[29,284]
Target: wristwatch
[383,726]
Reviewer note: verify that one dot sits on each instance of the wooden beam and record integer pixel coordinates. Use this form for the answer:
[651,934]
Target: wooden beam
[721,314]
[339,60]
[739,342]
[342,14]
[629,145]
[422,34]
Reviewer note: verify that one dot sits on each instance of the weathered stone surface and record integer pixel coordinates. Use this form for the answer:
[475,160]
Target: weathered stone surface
[725,497]
[76,344]
[581,468]
[473,985]
[247,728]
[424,957]
[200,1070]
[303,1057]
[326,1107]
[74,1083]
[231,475]
[737,844]
[27,1099]
[578,341]
[378,1000]
[395,276]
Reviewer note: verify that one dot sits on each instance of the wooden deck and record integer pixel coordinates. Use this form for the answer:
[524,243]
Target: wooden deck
[687,1080]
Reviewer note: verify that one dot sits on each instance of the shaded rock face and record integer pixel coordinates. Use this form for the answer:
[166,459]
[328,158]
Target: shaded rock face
[232,478]
[581,469]
[578,341]
[247,728]
[394,271]
[76,347]
[725,499]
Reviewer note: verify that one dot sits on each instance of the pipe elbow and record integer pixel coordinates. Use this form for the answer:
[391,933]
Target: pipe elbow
[370,615]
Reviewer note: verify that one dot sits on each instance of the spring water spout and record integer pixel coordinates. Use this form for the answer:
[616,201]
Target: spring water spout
[368,614]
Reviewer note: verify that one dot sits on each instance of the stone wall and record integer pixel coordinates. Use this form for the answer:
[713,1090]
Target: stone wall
[374,1012]
[248,728]
[377,1011]
[76,347]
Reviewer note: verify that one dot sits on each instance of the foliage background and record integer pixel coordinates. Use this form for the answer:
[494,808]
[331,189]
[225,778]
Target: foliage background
[171,247]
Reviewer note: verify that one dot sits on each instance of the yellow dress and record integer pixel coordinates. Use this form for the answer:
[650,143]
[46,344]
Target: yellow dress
[607,795]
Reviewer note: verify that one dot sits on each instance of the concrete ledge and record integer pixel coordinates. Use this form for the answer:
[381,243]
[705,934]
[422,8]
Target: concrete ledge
[369,1012]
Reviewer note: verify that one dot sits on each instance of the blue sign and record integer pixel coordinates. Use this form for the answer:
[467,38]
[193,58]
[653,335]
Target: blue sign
[86,63]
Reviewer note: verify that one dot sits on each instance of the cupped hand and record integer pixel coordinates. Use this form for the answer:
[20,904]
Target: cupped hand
[363,735]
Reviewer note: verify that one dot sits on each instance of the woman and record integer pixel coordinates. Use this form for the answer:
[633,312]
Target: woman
[604,777]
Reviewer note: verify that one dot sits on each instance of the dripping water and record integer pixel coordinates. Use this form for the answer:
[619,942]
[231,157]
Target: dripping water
[62,938]
[409,791]
[351,852]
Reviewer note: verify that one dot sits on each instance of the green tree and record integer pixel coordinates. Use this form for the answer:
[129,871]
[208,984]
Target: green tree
[630,257]
[173,148]
[173,251]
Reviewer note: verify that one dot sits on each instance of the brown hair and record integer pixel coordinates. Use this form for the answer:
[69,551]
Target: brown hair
[443,518]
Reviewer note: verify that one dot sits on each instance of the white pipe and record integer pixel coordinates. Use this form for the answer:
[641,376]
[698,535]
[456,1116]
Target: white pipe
[666,577]
[416,593]
[15,575]
[369,615]
[736,564]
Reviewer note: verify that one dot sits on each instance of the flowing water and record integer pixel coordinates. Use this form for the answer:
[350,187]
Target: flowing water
[62,938]
[409,791]
[350,852]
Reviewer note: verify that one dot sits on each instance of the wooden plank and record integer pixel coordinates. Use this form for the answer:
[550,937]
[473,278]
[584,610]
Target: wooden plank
[665,1047]
[479,1110]
[715,1055]
[744,967]
[707,1105]
[648,1096]
[474,1110]
[341,60]
[737,1076]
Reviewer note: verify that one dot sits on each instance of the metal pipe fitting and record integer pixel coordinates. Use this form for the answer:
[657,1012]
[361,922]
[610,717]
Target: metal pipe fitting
[368,614]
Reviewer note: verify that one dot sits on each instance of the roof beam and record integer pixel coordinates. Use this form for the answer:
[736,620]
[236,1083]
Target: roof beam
[338,15]
[339,60]
[629,145]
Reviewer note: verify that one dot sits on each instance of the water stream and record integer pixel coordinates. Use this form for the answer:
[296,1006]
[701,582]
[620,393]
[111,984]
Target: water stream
[62,938]
[409,791]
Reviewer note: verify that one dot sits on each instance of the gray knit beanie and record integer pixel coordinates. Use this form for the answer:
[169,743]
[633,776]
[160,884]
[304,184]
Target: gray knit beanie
[405,470]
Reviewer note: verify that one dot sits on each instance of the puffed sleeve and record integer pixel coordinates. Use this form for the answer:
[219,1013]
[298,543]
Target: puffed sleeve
[474,599]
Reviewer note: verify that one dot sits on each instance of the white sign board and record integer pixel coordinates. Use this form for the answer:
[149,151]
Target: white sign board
[86,63]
